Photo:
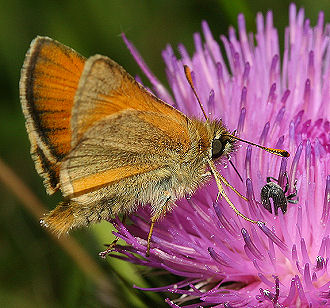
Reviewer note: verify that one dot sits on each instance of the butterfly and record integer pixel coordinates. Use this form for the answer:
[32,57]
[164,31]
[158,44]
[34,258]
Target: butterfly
[109,144]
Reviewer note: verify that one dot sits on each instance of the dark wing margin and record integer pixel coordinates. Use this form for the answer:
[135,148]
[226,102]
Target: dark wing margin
[49,80]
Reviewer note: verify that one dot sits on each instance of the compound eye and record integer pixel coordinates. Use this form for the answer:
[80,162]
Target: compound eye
[217,148]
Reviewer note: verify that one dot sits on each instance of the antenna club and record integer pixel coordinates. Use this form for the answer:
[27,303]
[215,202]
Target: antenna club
[278,152]
[187,73]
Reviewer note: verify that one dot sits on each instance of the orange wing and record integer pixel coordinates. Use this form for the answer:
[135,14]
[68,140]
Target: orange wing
[119,130]
[105,88]
[49,81]
[63,96]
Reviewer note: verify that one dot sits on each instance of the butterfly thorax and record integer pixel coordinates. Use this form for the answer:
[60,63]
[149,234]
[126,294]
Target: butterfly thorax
[190,170]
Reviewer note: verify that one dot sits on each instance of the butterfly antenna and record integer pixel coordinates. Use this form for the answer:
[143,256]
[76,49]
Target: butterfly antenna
[278,152]
[189,79]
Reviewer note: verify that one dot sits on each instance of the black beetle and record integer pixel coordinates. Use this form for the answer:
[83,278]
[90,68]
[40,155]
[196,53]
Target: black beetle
[275,191]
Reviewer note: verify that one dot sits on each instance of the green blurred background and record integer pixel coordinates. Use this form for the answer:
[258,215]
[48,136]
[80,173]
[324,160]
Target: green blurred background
[34,270]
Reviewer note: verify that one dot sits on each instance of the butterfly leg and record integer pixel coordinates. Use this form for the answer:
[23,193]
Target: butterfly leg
[153,220]
[110,247]
[224,181]
[161,212]
[218,179]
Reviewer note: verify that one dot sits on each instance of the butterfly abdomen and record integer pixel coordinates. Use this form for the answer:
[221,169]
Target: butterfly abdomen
[70,214]
[61,219]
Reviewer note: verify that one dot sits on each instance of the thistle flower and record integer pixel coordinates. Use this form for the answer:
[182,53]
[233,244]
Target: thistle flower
[224,260]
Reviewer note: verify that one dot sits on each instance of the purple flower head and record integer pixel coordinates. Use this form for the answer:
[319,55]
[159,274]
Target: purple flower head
[280,102]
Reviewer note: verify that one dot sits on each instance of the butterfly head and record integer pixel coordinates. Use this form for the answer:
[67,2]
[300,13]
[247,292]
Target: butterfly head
[222,144]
